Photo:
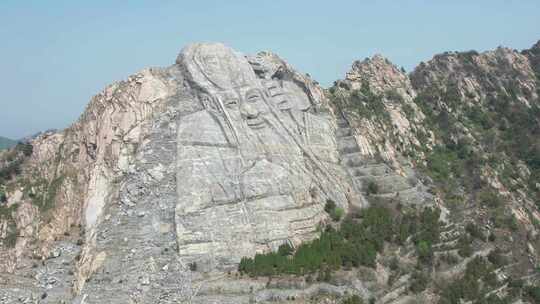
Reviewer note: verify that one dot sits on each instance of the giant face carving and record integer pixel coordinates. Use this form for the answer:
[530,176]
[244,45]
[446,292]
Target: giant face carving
[253,109]
[241,107]
[245,106]
[251,160]
[232,88]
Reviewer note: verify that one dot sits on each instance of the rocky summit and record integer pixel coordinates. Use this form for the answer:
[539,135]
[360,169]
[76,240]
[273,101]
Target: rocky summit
[227,178]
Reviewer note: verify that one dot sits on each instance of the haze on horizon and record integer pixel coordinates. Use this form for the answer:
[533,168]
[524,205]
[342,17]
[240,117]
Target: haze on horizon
[56,55]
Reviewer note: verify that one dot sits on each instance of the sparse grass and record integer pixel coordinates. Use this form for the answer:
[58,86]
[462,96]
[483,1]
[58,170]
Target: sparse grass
[368,104]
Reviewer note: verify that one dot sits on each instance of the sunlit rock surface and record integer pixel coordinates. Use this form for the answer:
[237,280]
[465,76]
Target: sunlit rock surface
[170,177]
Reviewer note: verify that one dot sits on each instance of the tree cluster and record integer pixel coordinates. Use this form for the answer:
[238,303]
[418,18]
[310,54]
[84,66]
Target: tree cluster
[355,243]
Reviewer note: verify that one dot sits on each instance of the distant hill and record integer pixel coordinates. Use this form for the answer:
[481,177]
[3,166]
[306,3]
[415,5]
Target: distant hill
[6,143]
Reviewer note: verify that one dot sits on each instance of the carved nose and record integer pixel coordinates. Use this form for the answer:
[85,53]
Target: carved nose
[248,111]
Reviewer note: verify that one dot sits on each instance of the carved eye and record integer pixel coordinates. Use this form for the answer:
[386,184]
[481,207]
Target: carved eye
[231,103]
[253,96]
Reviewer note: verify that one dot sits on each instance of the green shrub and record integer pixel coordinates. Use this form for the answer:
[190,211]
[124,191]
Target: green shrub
[11,169]
[419,281]
[14,159]
[6,212]
[394,264]
[368,104]
[372,187]
[355,243]
[479,118]
[475,231]
[464,245]
[489,198]
[496,258]
[502,219]
[353,300]
[409,111]
[442,163]
[337,214]
[393,95]
[325,275]
[450,258]
[334,212]
[494,299]
[25,148]
[429,228]
[467,287]
[329,206]
[11,238]
[425,252]
[285,250]
[533,292]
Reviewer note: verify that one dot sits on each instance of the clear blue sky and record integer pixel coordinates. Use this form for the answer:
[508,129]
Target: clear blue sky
[54,55]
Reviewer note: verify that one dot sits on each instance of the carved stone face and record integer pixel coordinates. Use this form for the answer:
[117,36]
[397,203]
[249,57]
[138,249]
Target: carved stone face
[241,107]
[253,108]
[233,90]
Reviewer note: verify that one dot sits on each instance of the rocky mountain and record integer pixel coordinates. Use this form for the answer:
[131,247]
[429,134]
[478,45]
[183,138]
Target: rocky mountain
[227,178]
[6,143]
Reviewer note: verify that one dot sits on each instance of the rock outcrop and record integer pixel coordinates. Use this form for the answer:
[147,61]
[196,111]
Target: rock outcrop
[204,162]
[268,162]
[171,177]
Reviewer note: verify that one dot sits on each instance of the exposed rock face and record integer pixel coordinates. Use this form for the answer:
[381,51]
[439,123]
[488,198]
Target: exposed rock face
[481,107]
[169,178]
[476,76]
[488,104]
[205,162]
[378,115]
[380,74]
[267,162]
[396,95]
